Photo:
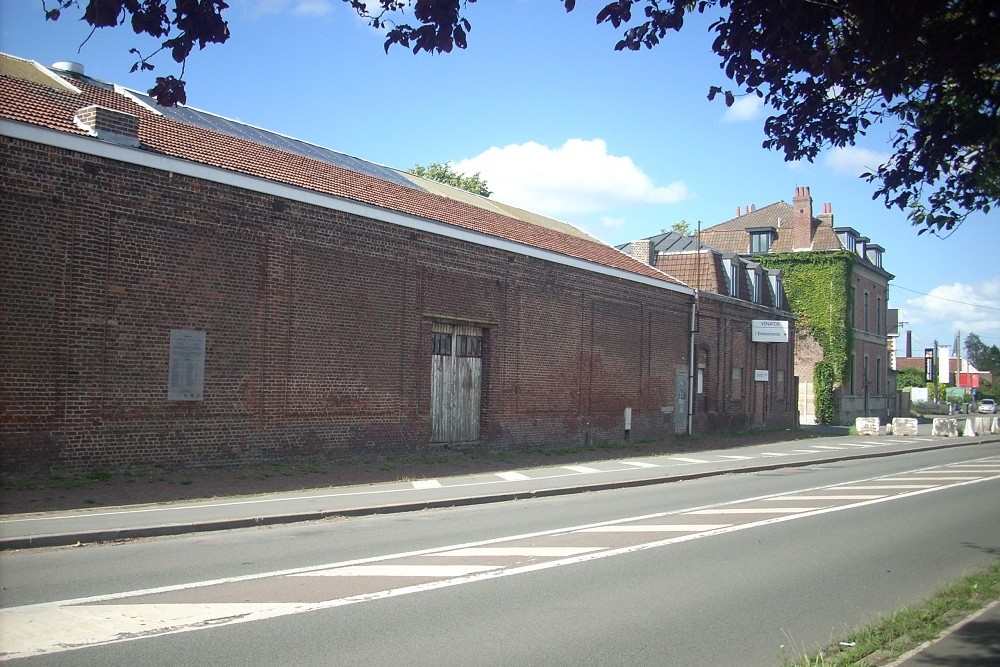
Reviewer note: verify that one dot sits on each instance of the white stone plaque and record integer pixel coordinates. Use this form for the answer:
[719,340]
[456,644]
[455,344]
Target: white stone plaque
[187,366]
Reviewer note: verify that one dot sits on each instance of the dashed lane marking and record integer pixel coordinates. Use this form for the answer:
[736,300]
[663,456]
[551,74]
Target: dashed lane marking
[640,464]
[581,469]
[656,528]
[65,625]
[687,460]
[734,457]
[512,476]
[432,571]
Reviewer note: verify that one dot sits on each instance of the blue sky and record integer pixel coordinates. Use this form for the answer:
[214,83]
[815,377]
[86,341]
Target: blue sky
[619,144]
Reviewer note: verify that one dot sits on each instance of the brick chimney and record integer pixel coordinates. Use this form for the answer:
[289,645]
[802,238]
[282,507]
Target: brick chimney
[826,217]
[802,218]
[109,125]
[642,251]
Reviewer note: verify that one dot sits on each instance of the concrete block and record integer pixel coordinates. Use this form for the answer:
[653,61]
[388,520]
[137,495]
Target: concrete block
[970,428]
[867,425]
[904,426]
[944,427]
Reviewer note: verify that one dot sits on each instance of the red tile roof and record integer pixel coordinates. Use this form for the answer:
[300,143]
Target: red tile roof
[38,104]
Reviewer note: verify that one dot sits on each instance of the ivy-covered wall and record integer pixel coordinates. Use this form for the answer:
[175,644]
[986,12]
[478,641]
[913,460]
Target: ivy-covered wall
[818,289]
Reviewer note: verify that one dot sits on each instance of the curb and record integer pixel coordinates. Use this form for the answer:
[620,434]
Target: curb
[112,535]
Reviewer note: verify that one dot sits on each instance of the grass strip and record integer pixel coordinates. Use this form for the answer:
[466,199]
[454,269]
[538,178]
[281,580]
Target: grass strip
[891,636]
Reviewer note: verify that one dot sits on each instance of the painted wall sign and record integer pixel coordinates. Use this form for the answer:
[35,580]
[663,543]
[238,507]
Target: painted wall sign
[769,331]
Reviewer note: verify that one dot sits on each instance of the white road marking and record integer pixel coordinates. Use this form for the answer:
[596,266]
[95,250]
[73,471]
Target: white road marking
[640,464]
[426,484]
[940,478]
[657,528]
[837,497]
[734,457]
[687,460]
[56,621]
[581,469]
[442,571]
[773,454]
[805,451]
[754,510]
[512,476]
[856,444]
[541,552]
[874,487]
[827,447]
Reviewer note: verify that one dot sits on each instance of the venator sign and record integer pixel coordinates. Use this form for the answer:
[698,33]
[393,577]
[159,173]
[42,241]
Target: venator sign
[769,331]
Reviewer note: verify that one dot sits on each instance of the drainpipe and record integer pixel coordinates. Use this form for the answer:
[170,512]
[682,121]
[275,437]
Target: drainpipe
[691,365]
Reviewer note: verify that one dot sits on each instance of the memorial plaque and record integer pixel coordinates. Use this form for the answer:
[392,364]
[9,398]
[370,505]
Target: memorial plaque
[187,366]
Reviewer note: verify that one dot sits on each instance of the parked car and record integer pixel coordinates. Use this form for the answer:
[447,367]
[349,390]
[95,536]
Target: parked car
[988,405]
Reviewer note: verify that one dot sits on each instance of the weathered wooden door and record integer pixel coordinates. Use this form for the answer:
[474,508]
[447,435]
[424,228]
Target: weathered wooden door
[456,382]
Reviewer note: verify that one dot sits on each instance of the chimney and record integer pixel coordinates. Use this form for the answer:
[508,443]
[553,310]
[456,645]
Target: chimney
[642,251]
[802,218]
[826,217]
[116,127]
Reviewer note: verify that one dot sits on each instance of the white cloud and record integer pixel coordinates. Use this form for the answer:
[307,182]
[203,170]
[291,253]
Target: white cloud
[576,178]
[747,107]
[854,161]
[969,308]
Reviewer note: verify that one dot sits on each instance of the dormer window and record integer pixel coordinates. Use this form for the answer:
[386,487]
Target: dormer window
[761,239]
[755,280]
[873,254]
[732,267]
[848,238]
[774,278]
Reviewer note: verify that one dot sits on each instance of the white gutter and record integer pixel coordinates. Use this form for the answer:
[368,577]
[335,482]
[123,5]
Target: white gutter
[160,162]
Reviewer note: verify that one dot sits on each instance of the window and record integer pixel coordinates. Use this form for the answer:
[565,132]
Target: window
[878,376]
[734,278]
[864,375]
[701,379]
[779,383]
[737,384]
[866,311]
[878,315]
[854,306]
[760,241]
[441,344]
[468,346]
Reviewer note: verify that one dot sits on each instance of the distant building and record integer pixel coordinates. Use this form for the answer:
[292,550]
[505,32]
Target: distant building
[835,285]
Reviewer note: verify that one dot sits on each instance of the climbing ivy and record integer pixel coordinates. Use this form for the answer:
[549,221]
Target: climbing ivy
[818,289]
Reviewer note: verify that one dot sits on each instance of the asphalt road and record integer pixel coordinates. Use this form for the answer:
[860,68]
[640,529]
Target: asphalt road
[734,569]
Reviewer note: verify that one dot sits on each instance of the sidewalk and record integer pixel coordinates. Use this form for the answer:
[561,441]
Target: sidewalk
[102,524]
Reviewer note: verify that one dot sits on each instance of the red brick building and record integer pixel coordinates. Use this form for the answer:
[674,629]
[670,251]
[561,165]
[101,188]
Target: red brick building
[181,289]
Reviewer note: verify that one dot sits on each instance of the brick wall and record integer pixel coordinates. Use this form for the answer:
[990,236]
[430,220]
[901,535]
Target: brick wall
[317,325]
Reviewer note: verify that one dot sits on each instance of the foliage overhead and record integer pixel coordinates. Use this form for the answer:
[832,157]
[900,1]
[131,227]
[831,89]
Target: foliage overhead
[443,173]
[829,70]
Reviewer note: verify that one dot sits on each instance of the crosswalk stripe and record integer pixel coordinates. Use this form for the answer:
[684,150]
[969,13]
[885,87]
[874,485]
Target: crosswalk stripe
[687,460]
[640,464]
[581,469]
[874,487]
[512,476]
[755,510]
[443,571]
[542,552]
[656,528]
[858,496]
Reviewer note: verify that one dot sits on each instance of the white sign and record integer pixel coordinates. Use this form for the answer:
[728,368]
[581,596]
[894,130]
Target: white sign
[769,331]
[760,376]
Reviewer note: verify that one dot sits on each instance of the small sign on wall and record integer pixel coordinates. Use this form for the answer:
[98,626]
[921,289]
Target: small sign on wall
[761,376]
[769,331]
[186,381]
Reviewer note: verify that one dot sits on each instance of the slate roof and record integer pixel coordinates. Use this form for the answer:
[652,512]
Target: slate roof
[32,94]
[731,236]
